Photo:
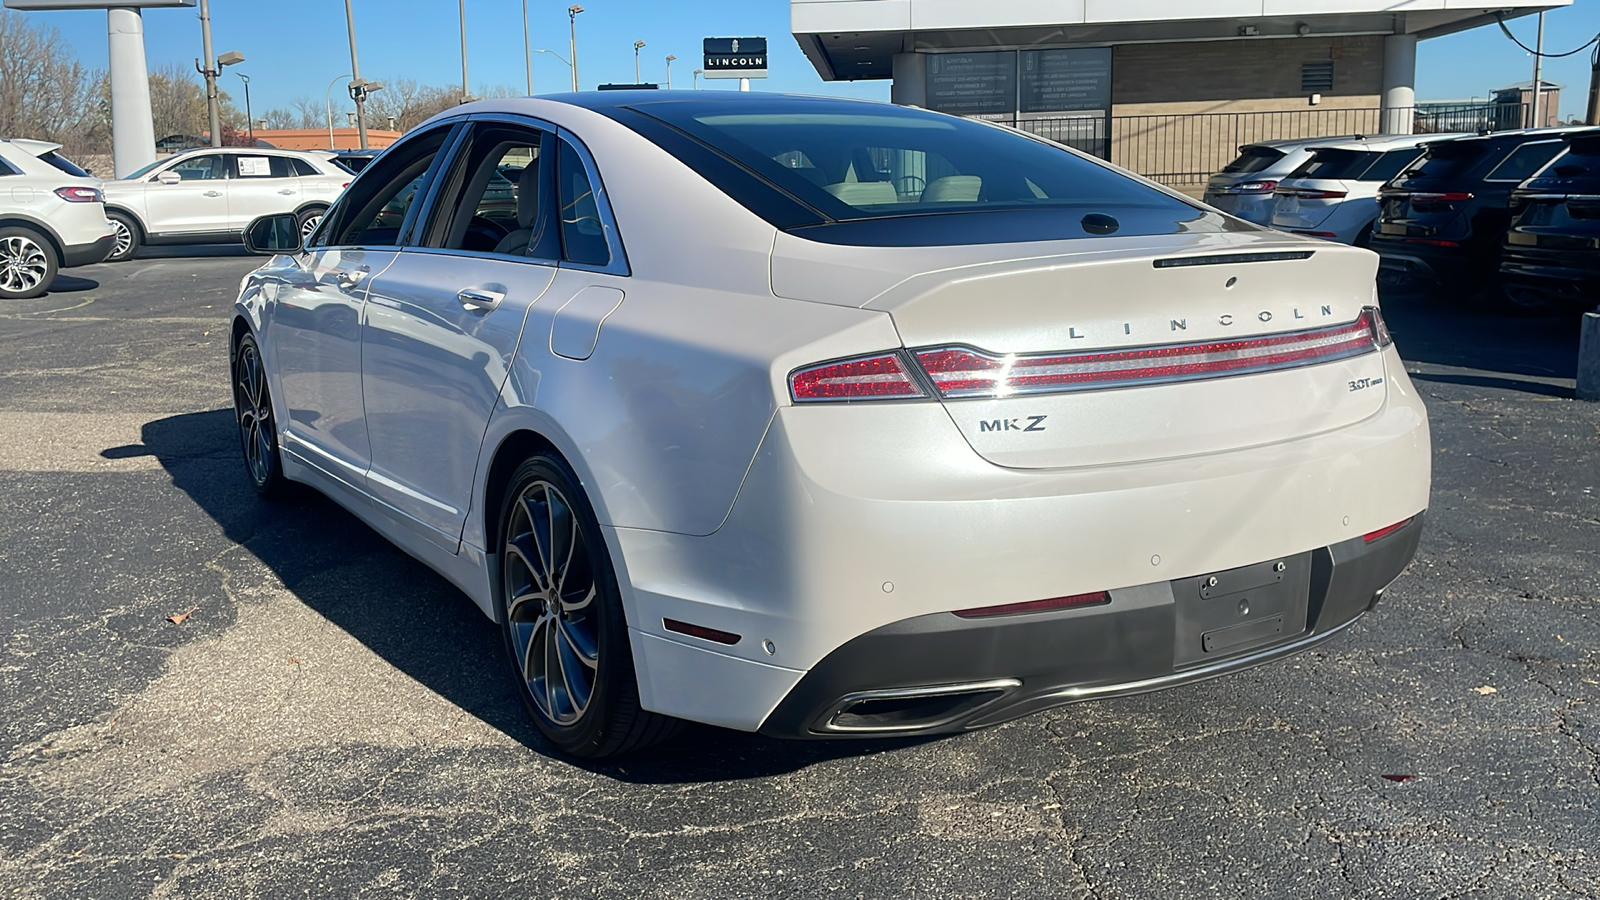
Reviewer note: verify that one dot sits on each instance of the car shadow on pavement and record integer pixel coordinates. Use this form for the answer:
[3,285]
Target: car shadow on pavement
[68,284]
[1431,330]
[413,618]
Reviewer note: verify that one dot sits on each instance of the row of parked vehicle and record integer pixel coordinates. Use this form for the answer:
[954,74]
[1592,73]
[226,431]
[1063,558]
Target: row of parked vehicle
[54,214]
[1511,215]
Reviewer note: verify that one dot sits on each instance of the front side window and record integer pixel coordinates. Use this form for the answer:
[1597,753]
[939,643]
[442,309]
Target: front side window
[210,167]
[377,206]
[583,235]
[248,167]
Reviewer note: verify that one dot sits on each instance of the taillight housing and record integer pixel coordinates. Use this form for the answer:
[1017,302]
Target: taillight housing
[881,376]
[77,194]
[1311,194]
[1252,187]
[964,372]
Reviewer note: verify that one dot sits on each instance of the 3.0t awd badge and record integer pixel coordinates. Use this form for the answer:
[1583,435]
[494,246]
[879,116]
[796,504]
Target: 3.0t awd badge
[1034,423]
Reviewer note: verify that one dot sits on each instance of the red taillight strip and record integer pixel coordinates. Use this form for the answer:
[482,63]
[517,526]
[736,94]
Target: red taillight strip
[963,372]
[1098,598]
[1387,530]
[880,377]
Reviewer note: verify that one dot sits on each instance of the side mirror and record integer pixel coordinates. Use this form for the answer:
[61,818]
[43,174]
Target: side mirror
[273,234]
[169,178]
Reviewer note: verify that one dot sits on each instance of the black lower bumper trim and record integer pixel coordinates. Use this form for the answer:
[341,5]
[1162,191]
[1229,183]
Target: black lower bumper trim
[74,255]
[1148,638]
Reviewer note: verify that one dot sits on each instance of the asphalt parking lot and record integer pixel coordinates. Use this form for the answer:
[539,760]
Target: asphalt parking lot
[332,719]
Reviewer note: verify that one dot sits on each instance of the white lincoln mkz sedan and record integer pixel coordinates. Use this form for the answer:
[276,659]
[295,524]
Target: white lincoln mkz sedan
[828,418]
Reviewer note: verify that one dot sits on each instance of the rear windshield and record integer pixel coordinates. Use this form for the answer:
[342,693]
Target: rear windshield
[1449,159]
[1576,171]
[64,164]
[1252,159]
[1344,165]
[1527,159]
[854,161]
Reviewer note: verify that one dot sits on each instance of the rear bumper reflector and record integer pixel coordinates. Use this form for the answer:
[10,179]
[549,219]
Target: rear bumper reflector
[1387,530]
[964,372]
[1098,598]
[702,632]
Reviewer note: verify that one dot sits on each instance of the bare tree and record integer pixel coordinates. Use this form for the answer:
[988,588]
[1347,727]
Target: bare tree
[44,90]
[409,103]
[177,102]
[279,118]
[310,111]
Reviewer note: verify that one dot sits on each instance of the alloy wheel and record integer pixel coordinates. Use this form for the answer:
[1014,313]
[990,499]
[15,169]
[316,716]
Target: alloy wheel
[23,264]
[551,603]
[254,409]
[308,225]
[123,240]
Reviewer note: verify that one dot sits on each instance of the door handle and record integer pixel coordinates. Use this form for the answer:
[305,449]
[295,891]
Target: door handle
[212,194]
[350,279]
[480,300]
[286,192]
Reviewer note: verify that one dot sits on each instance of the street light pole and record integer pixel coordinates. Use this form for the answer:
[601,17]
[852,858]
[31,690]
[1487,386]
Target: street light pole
[637,46]
[572,21]
[327,100]
[210,73]
[670,58]
[527,53]
[465,95]
[1538,74]
[360,97]
[697,78]
[249,123]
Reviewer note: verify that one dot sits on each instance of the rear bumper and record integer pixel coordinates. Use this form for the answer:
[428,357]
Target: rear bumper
[73,255]
[940,673]
[1572,276]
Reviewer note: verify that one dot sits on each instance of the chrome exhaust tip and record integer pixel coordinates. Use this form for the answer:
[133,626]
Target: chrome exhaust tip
[913,709]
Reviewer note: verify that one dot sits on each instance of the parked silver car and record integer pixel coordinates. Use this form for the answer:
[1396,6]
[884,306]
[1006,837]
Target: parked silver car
[1246,187]
[208,196]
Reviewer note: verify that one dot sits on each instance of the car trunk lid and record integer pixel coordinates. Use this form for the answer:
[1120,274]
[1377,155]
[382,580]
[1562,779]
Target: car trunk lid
[1142,359]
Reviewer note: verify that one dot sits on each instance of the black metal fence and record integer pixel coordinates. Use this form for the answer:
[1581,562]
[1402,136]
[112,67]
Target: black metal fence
[1188,149]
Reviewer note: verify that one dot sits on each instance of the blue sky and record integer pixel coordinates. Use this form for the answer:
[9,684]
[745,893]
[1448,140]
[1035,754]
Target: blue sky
[294,47]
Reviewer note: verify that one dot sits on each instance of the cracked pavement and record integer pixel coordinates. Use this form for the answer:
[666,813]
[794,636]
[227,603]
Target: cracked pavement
[336,720]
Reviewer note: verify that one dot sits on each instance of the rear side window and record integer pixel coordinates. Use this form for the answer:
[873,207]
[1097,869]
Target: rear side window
[1525,160]
[583,235]
[6,168]
[303,168]
[1252,159]
[1390,164]
[1337,164]
[263,167]
[65,165]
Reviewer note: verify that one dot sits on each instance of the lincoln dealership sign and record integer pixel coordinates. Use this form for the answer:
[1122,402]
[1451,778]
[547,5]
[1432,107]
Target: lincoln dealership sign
[736,57]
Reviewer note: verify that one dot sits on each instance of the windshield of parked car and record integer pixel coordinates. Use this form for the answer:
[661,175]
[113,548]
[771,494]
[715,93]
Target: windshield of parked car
[142,171]
[856,161]
[1252,159]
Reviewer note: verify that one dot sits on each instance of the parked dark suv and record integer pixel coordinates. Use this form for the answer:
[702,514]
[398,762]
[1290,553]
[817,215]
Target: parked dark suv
[1444,218]
[1552,252]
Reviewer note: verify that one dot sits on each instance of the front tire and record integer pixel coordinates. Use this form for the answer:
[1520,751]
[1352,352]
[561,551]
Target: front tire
[28,263]
[126,232]
[258,431]
[562,620]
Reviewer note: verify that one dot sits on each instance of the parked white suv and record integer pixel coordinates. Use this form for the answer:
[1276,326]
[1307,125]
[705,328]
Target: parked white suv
[1334,195]
[208,196]
[51,217]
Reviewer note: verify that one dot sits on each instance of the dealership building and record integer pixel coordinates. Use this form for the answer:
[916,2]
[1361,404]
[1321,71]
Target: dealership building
[1152,84]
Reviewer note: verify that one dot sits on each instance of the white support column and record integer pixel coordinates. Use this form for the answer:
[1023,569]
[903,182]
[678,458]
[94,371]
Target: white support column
[133,132]
[910,71]
[1399,83]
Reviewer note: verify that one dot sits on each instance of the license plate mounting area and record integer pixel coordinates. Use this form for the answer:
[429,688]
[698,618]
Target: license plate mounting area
[1235,611]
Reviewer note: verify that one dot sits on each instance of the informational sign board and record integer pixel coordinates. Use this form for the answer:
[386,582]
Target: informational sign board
[253,166]
[744,57]
[1065,80]
[91,4]
[968,84]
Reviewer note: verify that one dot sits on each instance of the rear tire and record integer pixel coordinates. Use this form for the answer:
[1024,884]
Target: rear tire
[28,263]
[561,616]
[126,231]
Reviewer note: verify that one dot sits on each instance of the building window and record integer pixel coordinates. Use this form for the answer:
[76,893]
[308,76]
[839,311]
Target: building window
[1316,77]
